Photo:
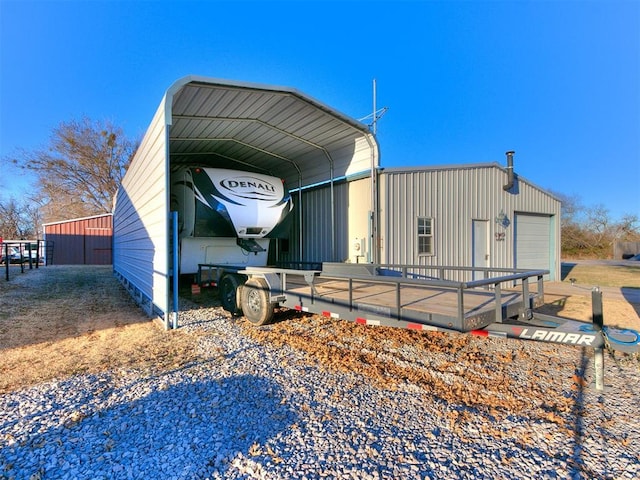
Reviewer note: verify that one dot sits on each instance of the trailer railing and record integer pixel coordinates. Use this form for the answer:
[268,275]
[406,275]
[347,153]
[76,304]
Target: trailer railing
[501,303]
[489,302]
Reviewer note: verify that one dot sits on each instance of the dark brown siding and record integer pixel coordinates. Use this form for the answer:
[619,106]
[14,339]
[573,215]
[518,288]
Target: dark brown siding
[84,241]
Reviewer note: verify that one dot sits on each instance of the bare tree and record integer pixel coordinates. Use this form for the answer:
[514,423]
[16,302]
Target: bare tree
[15,220]
[590,231]
[80,171]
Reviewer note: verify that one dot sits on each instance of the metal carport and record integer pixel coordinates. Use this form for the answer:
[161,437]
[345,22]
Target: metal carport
[220,123]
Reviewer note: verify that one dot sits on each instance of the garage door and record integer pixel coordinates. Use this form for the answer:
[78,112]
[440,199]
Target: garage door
[533,242]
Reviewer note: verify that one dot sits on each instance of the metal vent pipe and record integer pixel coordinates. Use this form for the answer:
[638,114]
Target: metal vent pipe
[510,175]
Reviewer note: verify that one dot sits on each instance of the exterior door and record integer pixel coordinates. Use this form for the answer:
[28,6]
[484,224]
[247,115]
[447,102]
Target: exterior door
[533,242]
[480,242]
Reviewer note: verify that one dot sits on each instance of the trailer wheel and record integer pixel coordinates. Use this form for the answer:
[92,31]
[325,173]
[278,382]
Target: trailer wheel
[255,302]
[229,294]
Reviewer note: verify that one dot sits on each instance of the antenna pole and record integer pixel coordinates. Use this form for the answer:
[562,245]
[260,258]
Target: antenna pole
[375,128]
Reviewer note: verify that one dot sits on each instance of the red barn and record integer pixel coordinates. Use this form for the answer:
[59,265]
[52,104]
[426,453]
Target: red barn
[80,241]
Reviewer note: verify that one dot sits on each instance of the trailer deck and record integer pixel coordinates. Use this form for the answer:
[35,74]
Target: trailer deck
[397,296]
[446,307]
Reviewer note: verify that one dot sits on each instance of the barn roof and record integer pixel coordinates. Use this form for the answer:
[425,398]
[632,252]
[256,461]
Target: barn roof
[269,129]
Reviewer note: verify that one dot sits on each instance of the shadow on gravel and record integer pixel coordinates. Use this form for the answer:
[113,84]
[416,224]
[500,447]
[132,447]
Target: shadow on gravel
[580,453]
[185,430]
[578,416]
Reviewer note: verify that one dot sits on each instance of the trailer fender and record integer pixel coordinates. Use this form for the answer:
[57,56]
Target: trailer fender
[274,285]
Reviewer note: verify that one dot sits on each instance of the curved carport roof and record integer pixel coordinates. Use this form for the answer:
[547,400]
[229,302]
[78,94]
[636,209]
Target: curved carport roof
[275,130]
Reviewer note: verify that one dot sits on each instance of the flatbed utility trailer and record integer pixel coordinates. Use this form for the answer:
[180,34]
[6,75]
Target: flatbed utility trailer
[500,304]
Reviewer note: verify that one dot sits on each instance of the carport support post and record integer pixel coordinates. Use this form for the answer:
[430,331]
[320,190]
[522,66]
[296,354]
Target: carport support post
[6,260]
[174,257]
[598,323]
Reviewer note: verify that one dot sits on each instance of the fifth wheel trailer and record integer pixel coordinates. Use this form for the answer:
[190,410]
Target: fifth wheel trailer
[226,216]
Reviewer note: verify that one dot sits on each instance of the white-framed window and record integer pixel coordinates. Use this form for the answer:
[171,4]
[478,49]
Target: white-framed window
[425,236]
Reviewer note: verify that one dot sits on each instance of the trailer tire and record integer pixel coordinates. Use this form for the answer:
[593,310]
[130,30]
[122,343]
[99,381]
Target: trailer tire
[255,302]
[230,294]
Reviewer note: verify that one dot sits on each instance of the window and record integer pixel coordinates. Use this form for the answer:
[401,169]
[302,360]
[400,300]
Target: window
[425,236]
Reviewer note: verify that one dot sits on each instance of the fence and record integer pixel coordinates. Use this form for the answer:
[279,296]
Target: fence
[23,254]
[623,250]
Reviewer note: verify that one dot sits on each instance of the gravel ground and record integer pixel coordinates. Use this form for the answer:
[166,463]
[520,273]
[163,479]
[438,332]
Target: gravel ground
[251,410]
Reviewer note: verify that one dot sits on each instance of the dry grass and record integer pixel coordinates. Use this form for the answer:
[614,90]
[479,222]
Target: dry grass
[592,274]
[64,320]
[617,313]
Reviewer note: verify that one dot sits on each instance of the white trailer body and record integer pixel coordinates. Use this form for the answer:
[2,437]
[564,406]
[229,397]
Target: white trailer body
[226,216]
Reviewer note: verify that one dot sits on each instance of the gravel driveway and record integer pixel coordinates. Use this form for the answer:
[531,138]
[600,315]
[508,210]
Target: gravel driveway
[253,411]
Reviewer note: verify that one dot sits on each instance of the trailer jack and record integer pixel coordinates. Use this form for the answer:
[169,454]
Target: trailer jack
[250,245]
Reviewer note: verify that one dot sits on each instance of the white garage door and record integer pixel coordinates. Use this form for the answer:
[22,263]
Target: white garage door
[533,242]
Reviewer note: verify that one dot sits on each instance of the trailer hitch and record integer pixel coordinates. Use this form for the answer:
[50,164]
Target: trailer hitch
[625,340]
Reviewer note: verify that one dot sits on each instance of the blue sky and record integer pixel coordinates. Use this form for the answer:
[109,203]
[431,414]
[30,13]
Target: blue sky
[558,82]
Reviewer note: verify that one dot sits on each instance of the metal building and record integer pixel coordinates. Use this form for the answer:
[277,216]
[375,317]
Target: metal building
[482,216]
[477,215]
[80,241]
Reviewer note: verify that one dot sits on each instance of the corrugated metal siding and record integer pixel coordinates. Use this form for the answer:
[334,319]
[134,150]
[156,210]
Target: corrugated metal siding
[317,223]
[453,197]
[141,218]
[81,241]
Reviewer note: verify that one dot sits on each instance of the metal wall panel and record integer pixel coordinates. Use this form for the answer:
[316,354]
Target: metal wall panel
[140,223]
[329,237]
[319,243]
[361,243]
[453,197]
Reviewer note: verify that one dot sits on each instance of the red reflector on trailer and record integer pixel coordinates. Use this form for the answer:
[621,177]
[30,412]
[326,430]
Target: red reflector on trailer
[414,326]
[480,333]
[361,321]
